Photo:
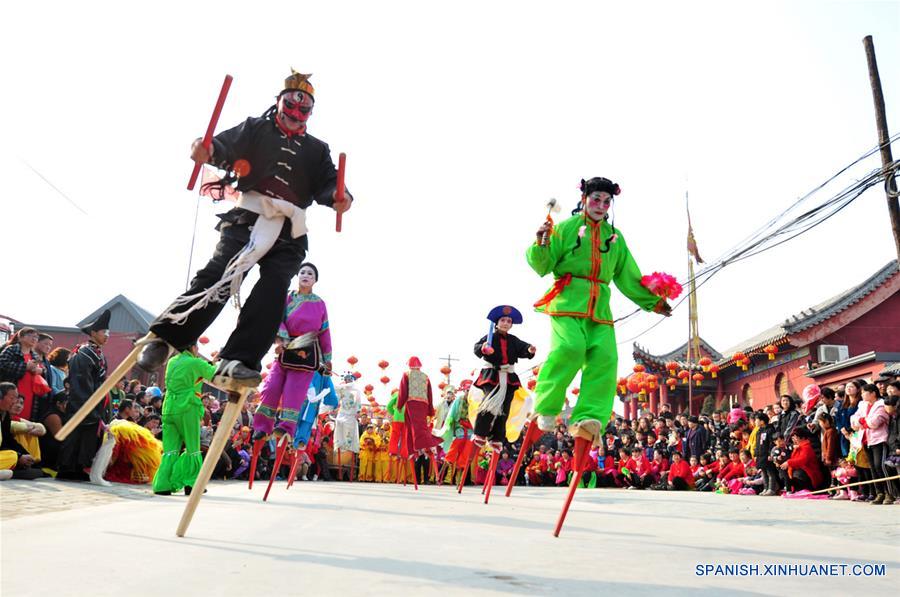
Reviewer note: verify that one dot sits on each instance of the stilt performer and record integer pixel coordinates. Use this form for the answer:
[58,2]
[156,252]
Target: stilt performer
[416,402]
[182,412]
[398,450]
[584,253]
[87,371]
[280,171]
[303,346]
[498,380]
[346,423]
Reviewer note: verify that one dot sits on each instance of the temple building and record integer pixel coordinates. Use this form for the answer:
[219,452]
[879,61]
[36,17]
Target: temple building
[854,335]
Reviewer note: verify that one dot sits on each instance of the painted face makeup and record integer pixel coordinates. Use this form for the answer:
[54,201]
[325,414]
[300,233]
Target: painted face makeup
[597,204]
[293,110]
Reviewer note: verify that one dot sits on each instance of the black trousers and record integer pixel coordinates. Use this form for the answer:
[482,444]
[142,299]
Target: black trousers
[261,313]
[770,475]
[491,426]
[877,454]
[800,480]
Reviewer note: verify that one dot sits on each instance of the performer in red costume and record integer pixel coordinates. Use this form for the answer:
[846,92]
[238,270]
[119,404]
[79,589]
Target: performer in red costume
[415,400]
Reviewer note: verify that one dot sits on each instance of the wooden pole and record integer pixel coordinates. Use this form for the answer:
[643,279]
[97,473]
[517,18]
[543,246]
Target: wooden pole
[883,140]
[210,129]
[855,484]
[223,433]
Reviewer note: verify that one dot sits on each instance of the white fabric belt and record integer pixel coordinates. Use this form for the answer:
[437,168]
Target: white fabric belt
[272,208]
[493,402]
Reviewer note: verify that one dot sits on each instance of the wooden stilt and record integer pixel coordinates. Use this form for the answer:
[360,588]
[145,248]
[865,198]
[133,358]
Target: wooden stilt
[223,434]
[412,469]
[340,463]
[352,464]
[492,474]
[254,459]
[471,451]
[531,436]
[280,449]
[111,379]
[434,468]
[295,461]
[581,449]
[440,477]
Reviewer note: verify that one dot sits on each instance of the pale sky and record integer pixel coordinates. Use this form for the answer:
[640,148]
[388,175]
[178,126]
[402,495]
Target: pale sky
[460,120]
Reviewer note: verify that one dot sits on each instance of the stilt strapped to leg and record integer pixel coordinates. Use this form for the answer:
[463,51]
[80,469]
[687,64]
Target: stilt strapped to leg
[412,469]
[581,455]
[443,471]
[492,474]
[254,458]
[531,435]
[279,457]
[295,462]
[471,451]
[223,434]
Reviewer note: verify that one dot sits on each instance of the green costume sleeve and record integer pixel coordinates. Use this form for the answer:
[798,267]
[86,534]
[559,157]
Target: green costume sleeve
[627,278]
[397,415]
[543,259]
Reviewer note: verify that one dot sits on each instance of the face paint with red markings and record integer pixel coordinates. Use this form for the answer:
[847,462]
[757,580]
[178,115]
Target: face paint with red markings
[293,110]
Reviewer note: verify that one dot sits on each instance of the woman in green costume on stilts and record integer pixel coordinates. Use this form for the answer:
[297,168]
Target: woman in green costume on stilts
[182,412]
[585,253]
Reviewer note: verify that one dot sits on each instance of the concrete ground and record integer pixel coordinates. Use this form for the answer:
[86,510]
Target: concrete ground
[363,539]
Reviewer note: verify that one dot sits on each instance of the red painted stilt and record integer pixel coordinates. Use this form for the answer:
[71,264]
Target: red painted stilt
[531,435]
[492,475]
[280,449]
[254,458]
[412,469]
[581,454]
[295,461]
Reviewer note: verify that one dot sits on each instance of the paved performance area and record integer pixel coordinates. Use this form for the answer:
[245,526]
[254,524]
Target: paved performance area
[364,539]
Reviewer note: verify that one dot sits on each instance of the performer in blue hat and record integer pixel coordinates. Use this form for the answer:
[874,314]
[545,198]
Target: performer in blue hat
[500,351]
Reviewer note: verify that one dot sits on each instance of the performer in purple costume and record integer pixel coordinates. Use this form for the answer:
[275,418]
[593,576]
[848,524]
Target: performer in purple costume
[306,319]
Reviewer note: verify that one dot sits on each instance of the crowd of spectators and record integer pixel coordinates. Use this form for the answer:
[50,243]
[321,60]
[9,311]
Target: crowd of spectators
[838,436]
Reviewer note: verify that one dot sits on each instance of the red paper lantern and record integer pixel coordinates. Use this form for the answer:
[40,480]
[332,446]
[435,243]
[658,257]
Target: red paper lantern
[385,379]
[369,388]
[714,370]
[672,367]
[442,385]
[357,374]
[652,382]
[771,350]
[745,363]
[622,385]
[382,364]
[446,370]
[698,377]
[531,384]
[634,382]
[683,375]
[672,382]
[705,362]
[352,360]
[639,368]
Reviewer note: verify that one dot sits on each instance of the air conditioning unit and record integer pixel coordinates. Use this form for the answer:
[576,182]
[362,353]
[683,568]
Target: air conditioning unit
[833,353]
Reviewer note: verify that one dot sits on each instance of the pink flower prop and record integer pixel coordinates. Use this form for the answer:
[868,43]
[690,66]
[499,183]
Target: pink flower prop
[662,285]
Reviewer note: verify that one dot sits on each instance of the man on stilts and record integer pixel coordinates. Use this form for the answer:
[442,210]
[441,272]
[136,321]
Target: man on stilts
[280,171]
[584,253]
[500,352]
[416,402]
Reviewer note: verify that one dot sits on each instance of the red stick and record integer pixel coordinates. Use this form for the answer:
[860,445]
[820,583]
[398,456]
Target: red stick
[339,190]
[207,138]
[412,469]
[294,464]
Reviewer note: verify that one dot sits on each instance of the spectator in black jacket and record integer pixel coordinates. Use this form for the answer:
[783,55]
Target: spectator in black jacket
[697,438]
[789,418]
[764,441]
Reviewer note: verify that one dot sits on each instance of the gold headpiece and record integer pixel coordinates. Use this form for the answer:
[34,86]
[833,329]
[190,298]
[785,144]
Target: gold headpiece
[300,82]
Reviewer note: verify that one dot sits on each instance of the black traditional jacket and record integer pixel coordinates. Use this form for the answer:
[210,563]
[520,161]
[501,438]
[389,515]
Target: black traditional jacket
[508,349]
[87,371]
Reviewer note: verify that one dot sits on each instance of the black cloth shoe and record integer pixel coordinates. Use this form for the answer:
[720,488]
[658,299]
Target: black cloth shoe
[153,355]
[188,489]
[162,493]
[235,374]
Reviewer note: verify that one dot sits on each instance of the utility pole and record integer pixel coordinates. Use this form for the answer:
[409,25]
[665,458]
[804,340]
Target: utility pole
[890,187]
